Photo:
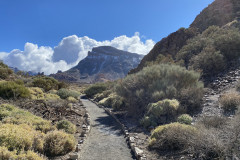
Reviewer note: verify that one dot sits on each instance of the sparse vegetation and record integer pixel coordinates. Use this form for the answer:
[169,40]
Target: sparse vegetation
[211,51]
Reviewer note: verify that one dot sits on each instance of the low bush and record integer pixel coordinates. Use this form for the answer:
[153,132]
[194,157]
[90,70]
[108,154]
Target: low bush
[95,89]
[67,126]
[212,121]
[4,71]
[230,101]
[159,82]
[200,143]
[11,114]
[5,154]
[58,143]
[47,83]
[161,112]
[10,89]
[29,155]
[185,119]
[172,136]
[99,96]
[65,93]
[16,137]
[72,99]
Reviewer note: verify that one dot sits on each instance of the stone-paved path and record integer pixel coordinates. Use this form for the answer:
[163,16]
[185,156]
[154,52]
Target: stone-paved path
[105,141]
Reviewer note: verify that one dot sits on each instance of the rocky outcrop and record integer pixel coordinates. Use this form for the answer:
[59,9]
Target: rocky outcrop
[102,64]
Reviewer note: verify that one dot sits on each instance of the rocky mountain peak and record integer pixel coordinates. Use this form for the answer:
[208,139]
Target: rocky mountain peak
[102,63]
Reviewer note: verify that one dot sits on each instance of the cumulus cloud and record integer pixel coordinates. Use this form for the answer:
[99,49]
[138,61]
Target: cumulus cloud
[68,53]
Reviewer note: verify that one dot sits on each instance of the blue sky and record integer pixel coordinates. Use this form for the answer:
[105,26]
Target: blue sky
[51,35]
[46,22]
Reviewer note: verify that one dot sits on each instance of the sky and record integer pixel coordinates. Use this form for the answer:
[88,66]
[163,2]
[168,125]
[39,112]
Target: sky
[51,35]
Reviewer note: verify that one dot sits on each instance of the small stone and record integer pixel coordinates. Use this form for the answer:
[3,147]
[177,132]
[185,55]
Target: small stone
[131,139]
[84,126]
[138,152]
[74,156]
[80,142]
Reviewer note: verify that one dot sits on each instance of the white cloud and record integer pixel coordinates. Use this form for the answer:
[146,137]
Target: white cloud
[68,53]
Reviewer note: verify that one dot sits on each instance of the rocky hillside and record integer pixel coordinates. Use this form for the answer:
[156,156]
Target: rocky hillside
[219,13]
[102,63]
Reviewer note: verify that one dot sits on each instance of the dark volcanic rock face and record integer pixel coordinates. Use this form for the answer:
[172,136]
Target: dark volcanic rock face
[102,63]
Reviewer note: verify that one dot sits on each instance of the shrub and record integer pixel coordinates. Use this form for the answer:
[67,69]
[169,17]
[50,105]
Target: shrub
[58,143]
[65,93]
[230,101]
[95,89]
[185,119]
[4,71]
[99,96]
[176,137]
[72,99]
[47,83]
[11,114]
[172,136]
[156,83]
[67,126]
[16,137]
[212,121]
[209,61]
[161,112]
[5,154]
[29,155]
[10,89]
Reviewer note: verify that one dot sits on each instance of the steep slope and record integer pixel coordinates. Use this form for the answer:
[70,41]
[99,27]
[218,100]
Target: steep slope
[219,13]
[102,63]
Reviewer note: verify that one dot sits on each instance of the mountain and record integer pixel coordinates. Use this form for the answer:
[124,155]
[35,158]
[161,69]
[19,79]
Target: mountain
[219,13]
[102,64]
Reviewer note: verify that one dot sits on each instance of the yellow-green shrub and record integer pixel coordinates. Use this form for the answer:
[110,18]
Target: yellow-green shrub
[160,112]
[230,101]
[37,93]
[185,119]
[172,136]
[72,99]
[16,137]
[58,143]
[67,126]
[10,89]
[11,114]
[29,155]
[5,154]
